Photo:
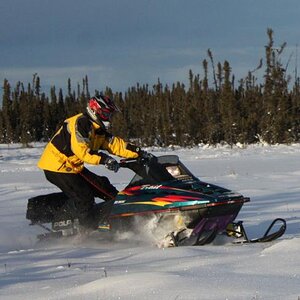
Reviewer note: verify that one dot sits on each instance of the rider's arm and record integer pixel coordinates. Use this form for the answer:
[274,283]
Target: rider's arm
[117,146]
[81,142]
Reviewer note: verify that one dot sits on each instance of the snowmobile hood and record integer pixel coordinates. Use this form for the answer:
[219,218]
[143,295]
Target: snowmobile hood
[154,189]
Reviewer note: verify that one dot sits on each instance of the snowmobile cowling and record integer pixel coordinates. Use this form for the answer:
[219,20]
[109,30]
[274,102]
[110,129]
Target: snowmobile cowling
[165,187]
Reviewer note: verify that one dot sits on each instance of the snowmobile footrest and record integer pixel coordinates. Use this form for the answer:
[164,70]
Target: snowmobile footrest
[49,235]
[185,237]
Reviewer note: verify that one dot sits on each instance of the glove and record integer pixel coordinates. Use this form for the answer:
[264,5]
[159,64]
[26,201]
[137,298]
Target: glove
[145,155]
[109,162]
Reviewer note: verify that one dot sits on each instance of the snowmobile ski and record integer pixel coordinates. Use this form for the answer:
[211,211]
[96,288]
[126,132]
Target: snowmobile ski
[237,230]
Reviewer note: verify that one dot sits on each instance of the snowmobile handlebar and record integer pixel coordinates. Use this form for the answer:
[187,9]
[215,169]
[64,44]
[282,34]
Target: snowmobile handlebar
[148,168]
[126,162]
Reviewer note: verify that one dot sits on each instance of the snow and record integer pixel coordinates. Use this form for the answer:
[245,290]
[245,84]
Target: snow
[100,268]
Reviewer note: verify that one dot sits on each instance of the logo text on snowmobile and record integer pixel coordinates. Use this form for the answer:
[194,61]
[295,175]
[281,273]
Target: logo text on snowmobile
[151,187]
[62,223]
[119,202]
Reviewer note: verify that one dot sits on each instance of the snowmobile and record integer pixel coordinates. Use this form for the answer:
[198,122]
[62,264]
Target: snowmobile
[166,198]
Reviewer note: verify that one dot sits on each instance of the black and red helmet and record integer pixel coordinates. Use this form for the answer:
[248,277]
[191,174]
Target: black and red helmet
[101,108]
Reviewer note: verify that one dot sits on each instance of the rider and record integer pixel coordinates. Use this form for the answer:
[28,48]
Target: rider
[79,141]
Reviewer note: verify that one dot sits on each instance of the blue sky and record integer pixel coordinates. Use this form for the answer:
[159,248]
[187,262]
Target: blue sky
[118,43]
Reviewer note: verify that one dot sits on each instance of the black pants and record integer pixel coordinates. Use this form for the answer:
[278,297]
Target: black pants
[81,190]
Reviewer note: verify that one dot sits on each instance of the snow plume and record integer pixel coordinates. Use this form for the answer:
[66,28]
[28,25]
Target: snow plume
[146,231]
[152,229]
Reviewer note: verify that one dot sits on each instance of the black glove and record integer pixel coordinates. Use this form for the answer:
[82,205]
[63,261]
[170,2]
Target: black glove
[142,154]
[109,162]
[145,155]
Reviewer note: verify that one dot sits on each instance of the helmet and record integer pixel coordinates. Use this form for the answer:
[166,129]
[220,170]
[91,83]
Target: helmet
[101,108]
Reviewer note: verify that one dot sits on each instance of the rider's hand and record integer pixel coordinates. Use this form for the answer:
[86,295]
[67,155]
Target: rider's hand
[145,155]
[142,154]
[109,162]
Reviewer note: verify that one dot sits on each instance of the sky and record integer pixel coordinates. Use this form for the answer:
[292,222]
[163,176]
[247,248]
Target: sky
[119,43]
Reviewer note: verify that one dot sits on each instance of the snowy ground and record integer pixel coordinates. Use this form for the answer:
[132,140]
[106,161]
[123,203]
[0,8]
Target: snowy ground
[101,269]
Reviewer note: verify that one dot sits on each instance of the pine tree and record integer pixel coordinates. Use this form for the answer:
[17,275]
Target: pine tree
[7,114]
[16,120]
[175,115]
[228,107]
[275,124]
[2,132]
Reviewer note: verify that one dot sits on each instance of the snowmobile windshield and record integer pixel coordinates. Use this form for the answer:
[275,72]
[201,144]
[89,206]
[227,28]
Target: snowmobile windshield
[157,170]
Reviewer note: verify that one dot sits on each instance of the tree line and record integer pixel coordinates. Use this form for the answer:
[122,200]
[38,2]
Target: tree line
[224,111]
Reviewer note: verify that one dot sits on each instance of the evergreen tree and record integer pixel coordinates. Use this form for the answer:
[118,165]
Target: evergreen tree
[171,115]
[274,124]
[250,96]
[228,108]
[2,128]
[7,113]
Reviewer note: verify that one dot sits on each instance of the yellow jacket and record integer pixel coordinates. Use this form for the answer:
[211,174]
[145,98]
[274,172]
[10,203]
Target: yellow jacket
[77,142]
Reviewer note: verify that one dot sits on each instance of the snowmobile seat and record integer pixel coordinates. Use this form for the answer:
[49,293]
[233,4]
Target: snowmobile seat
[46,208]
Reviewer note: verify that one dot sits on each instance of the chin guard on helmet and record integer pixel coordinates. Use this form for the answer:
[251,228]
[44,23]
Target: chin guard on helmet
[101,108]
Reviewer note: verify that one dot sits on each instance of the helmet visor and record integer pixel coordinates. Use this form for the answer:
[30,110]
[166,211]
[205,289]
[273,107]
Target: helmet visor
[110,104]
[104,114]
